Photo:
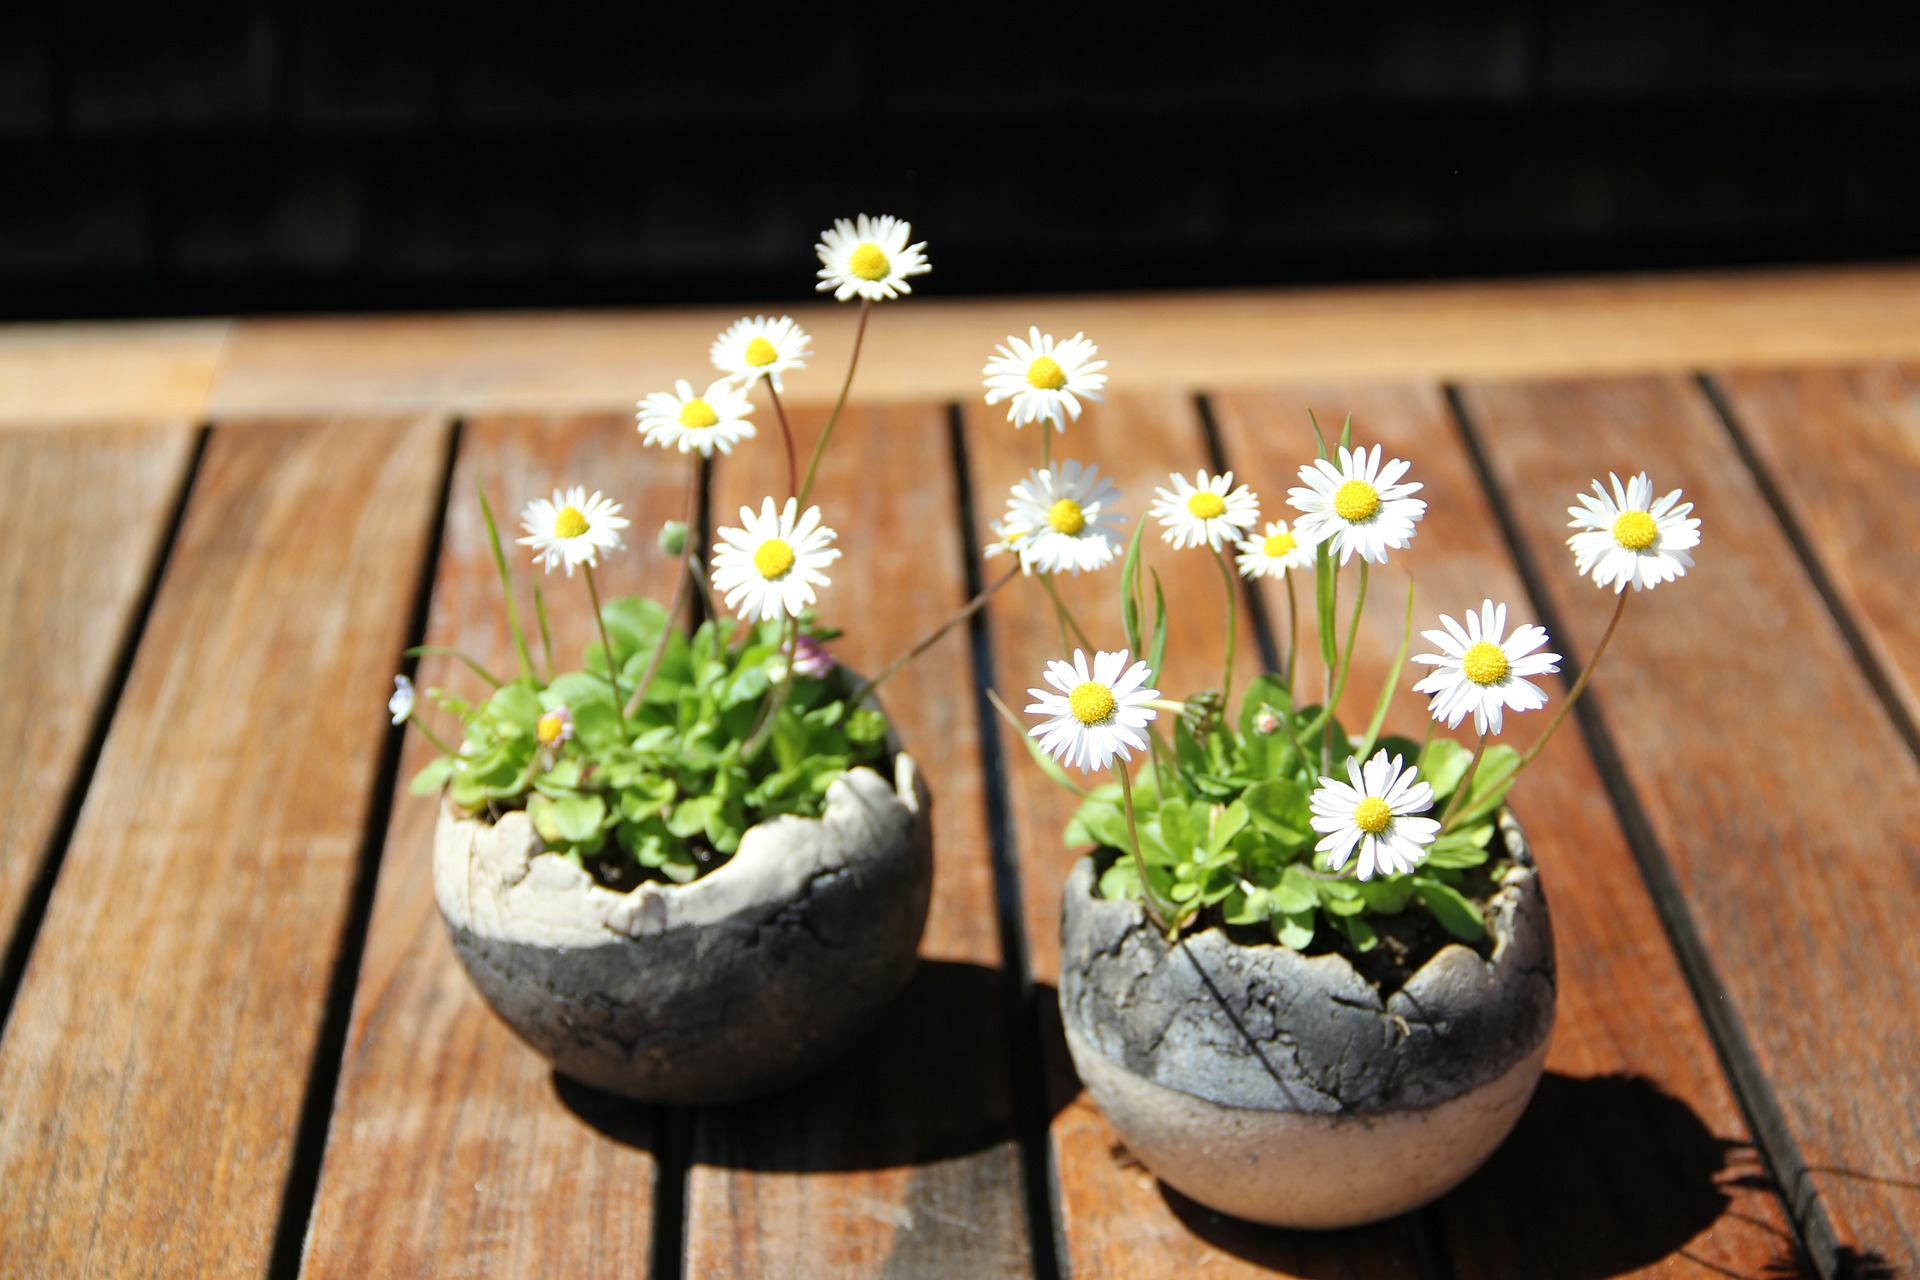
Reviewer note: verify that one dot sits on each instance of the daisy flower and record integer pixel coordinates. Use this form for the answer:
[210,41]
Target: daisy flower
[1069,519]
[769,567]
[1272,555]
[572,529]
[713,420]
[1478,671]
[554,729]
[1374,812]
[1095,715]
[1628,537]
[1008,538]
[1044,380]
[401,703]
[1212,513]
[1357,504]
[761,348]
[870,257]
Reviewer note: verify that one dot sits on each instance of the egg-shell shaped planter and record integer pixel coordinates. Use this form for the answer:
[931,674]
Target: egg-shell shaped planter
[728,987]
[1283,1088]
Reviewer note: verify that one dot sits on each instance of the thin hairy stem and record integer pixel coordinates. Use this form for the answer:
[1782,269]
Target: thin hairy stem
[1293,631]
[1233,628]
[1148,898]
[833,419]
[770,709]
[432,737]
[967,610]
[1466,781]
[613,672]
[786,434]
[1067,622]
[679,593]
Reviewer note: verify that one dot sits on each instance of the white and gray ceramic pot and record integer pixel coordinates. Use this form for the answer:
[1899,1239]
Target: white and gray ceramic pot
[730,987]
[1282,1088]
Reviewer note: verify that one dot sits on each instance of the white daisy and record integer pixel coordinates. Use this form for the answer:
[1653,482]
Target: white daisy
[761,348]
[1008,539]
[572,529]
[1477,671]
[1044,380]
[1213,513]
[1273,554]
[1096,714]
[401,703]
[769,567]
[1628,537]
[713,420]
[1374,813]
[1069,519]
[1357,504]
[870,257]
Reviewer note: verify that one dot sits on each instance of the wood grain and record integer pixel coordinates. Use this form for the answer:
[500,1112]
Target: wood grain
[152,1074]
[108,373]
[924,349]
[901,1159]
[1635,1098]
[83,520]
[454,1149]
[1842,449]
[1783,799]
[1115,1217]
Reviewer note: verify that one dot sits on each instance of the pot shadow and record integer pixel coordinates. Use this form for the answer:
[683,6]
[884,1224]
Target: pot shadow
[932,1081]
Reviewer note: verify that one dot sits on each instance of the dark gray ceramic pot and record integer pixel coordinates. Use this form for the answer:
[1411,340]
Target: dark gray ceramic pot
[1282,1088]
[730,987]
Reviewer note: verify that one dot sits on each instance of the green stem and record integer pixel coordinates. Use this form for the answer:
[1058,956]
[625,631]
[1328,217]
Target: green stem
[546,632]
[1337,679]
[1466,781]
[422,650]
[967,610]
[1293,631]
[786,433]
[833,419]
[506,586]
[679,592]
[1066,615]
[432,737]
[1233,628]
[770,710]
[1046,444]
[613,675]
[1148,898]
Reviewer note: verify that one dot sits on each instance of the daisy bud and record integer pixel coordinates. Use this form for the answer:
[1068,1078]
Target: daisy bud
[1266,722]
[673,537]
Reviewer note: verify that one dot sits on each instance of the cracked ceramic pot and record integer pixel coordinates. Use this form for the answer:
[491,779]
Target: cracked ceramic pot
[1283,1088]
[729,987]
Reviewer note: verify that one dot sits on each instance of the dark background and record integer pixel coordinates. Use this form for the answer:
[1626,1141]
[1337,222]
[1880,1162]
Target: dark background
[219,156]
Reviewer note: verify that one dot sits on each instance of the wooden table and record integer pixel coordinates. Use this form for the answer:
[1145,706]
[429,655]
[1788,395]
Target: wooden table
[237,1042]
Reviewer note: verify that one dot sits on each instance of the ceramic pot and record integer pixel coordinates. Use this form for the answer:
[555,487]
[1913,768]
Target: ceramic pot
[1283,1088]
[729,987]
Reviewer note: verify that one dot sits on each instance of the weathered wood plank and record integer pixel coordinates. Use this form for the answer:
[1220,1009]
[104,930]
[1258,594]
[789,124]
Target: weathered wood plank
[1634,1097]
[1842,450]
[932,350]
[900,1159]
[1115,1219]
[98,373]
[151,1078]
[83,520]
[1786,804]
[454,1149]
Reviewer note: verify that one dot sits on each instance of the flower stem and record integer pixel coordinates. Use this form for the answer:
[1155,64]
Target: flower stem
[1066,616]
[967,610]
[1046,444]
[770,710]
[833,419]
[1293,630]
[786,433]
[1233,629]
[613,674]
[431,736]
[1147,897]
[546,632]
[679,591]
[1466,781]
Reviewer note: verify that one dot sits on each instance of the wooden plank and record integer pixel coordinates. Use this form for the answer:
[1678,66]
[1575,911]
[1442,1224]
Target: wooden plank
[932,350]
[1115,1219]
[1785,802]
[901,1159]
[140,372]
[1634,1097]
[73,583]
[152,1074]
[1841,448]
[454,1149]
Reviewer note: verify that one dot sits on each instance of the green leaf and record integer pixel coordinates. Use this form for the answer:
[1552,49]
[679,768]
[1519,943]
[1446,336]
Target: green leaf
[1459,916]
[635,625]
[1359,931]
[1157,654]
[1325,600]
[1224,825]
[1130,589]
[1318,436]
[569,819]
[1387,895]
[1442,766]
[1491,782]
[1295,894]
[1098,822]
[506,584]
[1280,808]
[1178,830]
[432,776]
[1265,691]
[1294,929]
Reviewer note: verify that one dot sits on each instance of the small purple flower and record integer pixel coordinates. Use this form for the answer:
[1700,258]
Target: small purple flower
[810,658]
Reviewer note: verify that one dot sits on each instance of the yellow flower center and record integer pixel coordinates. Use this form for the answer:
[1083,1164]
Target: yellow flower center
[1066,517]
[1356,500]
[549,728]
[1207,505]
[1091,703]
[1045,374]
[760,353]
[1278,544]
[1635,530]
[1485,663]
[698,413]
[569,523]
[772,559]
[1371,815]
[869,262]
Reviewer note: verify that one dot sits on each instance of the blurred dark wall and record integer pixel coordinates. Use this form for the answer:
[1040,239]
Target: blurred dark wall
[292,155]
